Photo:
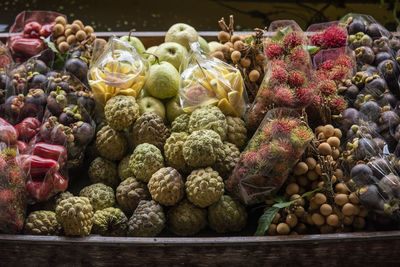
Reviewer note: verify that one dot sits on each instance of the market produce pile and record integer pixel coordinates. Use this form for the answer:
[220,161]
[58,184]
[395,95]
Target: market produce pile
[108,137]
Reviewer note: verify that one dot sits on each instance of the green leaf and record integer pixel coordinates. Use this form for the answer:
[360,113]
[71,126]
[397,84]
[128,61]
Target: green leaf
[281,33]
[249,40]
[288,203]
[265,221]
[50,44]
[312,49]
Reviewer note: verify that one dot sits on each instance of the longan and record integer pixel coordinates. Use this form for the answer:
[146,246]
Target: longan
[71,39]
[324,149]
[328,130]
[291,220]
[276,218]
[218,54]
[235,56]
[325,209]
[321,136]
[292,189]
[348,209]
[245,62]
[225,49]
[68,32]
[341,199]
[300,168]
[235,37]
[318,219]
[319,129]
[319,198]
[63,47]
[283,229]
[348,220]
[299,211]
[299,201]
[60,39]
[301,228]
[309,219]
[326,229]
[60,20]
[333,141]
[260,58]
[312,175]
[80,35]
[311,163]
[335,153]
[238,45]
[338,173]
[318,169]
[92,37]
[223,36]
[302,180]
[341,188]
[78,22]
[354,198]
[75,28]
[88,29]
[254,75]
[332,220]
[272,229]
[58,29]
[229,44]
[338,133]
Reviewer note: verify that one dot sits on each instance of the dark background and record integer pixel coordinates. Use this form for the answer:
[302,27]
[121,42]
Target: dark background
[158,15]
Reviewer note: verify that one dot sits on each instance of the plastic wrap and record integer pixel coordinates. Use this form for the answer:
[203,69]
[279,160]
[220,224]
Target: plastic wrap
[288,81]
[120,70]
[6,59]
[206,80]
[271,153]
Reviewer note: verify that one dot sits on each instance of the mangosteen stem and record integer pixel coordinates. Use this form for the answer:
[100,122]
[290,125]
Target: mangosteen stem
[75,109]
[58,90]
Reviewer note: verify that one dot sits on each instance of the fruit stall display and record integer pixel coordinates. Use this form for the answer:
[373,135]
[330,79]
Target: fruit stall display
[272,133]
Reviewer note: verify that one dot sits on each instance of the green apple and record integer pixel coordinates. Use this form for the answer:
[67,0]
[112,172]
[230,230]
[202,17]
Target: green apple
[171,52]
[174,108]
[183,34]
[151,104]
[135,42]
[214,45]
[204,45]
[163,80]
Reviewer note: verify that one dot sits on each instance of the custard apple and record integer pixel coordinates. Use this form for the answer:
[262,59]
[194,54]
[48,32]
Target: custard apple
[150,128]
[42,222]
[111,144]
[148,220]
[201,148]
[204,187]
[110,222]
[227,215]
[130,192]
[237,132]
[181,123]
[100,195]
[123,168]
[173,150]
[186,219]
[208,118]
[75,214]
[103,171]
[121,111]
[145,160]
[227,161]
[166,186]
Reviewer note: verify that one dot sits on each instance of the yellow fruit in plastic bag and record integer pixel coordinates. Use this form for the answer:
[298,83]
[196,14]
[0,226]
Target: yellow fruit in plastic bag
[237,101]
[226,107]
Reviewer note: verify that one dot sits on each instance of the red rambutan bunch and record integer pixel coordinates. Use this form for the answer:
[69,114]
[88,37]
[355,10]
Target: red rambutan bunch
[278,76]
[317,39]
[299,57]
[250,159]
[321,75]
[339,73]
[273,51]
[265,152]
[300,136]
[337,104]
[304,96]
[296,78]
[327,87]
[345,61]
[280,127]
[283,96]
[292,40]
[278,63]
[6,197]
[265,96]
[327,65]
[334,36]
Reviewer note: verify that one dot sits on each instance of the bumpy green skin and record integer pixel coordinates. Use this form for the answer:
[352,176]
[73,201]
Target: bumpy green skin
[209,118]
[110,222]
[52,203]
[121,111]
[148,220]
[100,195]
[145,160]
[237,132]
[186,219]
[150,128]
[166,186]
[123,168]
[111,144]
[103,171]
[201,148]
[181,123]
[227,161]
[173,151]
[75,215]
[227,215]
[130,192]
[204,187]
[42,222]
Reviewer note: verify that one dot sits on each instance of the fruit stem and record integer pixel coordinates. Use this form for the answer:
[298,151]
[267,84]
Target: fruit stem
[130,32]
[157,58]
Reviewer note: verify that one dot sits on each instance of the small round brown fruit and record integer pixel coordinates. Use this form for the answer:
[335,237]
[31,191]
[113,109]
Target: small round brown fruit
[341,188]
[337,133]
[335,153]
[235,56]
[311,163]
[276,218]
[272,229]
[338,173]
[235,37]
[301,228]
[348,209]
[245,62]
[68,32]
[300,201]
[300,168]
[319,129]
[302,180]
[321,136]
[223,36]
[71,39]
[333,141]
[75,28]
[291,220]
[354,198]
[283,229]
[325,209]
[225,49]
[218,54]
[318,169]
[326,229]
[329,130]
[341,199]
[63,47]
[88,29]
[299,211]
[325,149]
[58,29]
[260,58]
[292,189]
[80,35]
[312,175]
[332,220]
[318,219]
[78,22]
[319,198]
[238,45]
[229,44]
[254,75]
[60,20]
[60,39]
[348,220]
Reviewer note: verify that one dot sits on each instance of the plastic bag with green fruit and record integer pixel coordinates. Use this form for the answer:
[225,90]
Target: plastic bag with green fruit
[120,70]
[272,152]
[207,80]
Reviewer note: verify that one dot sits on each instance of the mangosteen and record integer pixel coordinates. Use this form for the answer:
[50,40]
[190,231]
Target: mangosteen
[381,45]
[86,102]
[394,44]
[83,132]
[37,66]
[375,86]
[388,120]
[390,184]
[380,143]
[77,67]
[390,139]
[389,70]
[52,74]
[369,69]
[380,167]
[370,111]
[352,92]
[361,174]
[366,148]
[350,116]
[356,26]
[36,96]
[374,30]
[381,56]
[365,55]
[371,198]
[38,81]
[76,53]
[56,102]
[388,99]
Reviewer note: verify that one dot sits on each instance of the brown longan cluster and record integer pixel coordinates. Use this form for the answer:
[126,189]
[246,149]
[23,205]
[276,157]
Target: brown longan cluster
[244,52]
[334,208]
[67,36]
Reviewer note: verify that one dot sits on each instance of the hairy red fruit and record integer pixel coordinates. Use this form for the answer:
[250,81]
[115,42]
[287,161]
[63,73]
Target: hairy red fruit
[292,40]
[273,51]
[327,87]
[283,96]
[296,79]
[334,37]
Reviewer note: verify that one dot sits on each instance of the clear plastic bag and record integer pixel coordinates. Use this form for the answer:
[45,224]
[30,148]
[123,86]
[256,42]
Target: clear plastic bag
[206,80]
[271,153]
[6,59]
[120,70]
[328,35]
[288,81]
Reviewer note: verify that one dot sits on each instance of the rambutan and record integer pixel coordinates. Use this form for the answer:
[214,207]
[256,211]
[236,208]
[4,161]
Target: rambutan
[304,96]
[326,65]
[345,61]
[296,79]
[250,159]
[273,51]
[265,95]
[265,152]
[278,63]
[337,104]
[339,73]
[299,57]
[300,136]
[6,197]
[283,96]
[280,168]
[3,164]
[321,75]
[292,40]
[15,176]
[280,127]
[278,76]
[327,87]
[317,39]
[334,37]
[287,149]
